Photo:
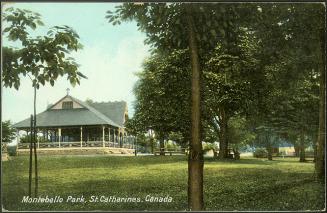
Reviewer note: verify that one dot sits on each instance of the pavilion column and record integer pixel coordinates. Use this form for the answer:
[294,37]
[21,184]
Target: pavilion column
[103,144]
[123,139]
[18,136]
[109,134]
[38,141]
[119,138]
[59,136]
[114,137]
[81,136]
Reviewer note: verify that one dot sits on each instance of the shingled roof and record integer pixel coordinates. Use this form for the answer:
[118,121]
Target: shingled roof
[113,110]
[86,114]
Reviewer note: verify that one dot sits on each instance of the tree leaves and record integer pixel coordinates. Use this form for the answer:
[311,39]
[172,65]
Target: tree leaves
[8,132]
[42,57]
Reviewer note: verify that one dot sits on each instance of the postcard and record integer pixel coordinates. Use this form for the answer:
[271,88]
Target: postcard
[163,106]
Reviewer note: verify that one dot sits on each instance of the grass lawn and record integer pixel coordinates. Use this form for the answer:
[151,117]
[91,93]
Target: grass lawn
[247,184]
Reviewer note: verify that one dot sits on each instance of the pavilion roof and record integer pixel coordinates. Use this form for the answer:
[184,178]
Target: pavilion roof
[87,114]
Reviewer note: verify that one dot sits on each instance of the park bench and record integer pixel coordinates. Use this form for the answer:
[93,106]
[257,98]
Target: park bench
[170,152]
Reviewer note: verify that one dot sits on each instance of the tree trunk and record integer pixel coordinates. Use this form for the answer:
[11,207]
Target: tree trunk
[195,160]
[35,154]
[320,159]
[269,150]
[223,144]
[31,159]
[162,146]
[152,145]
[302,147]
[236,154]
[135,146]
[302,154]
[314,152]
[297,151]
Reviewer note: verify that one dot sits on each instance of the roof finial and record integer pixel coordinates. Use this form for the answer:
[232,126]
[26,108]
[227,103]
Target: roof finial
[67,91]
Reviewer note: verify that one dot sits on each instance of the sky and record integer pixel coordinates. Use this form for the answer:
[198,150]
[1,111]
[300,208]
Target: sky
[110,58]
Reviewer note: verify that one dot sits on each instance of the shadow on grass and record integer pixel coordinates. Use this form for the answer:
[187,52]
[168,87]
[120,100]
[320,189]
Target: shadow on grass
[242,161]
[257,161]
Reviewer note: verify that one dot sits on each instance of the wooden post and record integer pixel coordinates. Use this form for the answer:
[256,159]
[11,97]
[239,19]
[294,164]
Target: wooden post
[59,136]
[103,144]
[47,135]
[118,137]
[109,134]
[122,140]
[38,141]
[114,138]
[81,136]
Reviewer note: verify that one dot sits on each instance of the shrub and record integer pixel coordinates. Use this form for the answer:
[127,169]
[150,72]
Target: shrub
[208,146]
[12,150]
[260,153]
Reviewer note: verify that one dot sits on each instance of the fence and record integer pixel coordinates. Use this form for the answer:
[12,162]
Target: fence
[75,144]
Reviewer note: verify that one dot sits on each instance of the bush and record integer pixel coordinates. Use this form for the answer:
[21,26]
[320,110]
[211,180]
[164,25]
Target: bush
[260,153]
[12,150]
[208,146]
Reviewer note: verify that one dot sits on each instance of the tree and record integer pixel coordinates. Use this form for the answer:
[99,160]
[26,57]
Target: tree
[41,58]
[227,87]
[8,133]
[273,34]
[162,96]
[288,62]
[239,134]
[164,25]
[267,137]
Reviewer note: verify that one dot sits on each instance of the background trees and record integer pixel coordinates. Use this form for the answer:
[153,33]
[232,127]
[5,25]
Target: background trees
[163,98]
[8,133]
[246,61]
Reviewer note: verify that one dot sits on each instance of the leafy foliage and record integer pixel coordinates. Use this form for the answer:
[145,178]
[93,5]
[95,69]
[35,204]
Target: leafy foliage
[8,132]
[42,58]
[162,98]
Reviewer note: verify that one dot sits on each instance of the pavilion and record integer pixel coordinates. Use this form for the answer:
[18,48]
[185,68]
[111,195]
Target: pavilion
[72,122]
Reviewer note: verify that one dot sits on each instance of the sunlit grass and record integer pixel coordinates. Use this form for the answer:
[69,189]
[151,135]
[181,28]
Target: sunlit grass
[247,184]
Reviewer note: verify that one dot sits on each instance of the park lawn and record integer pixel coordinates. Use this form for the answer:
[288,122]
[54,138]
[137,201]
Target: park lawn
[246,184]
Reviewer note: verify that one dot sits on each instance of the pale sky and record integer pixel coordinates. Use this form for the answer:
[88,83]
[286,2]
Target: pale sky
[110,58]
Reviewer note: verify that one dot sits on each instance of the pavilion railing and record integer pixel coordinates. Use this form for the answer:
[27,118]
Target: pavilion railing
[77,144]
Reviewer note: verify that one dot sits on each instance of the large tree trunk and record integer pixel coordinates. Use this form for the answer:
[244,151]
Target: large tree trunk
[320,159]
[223,146]
[195,160]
